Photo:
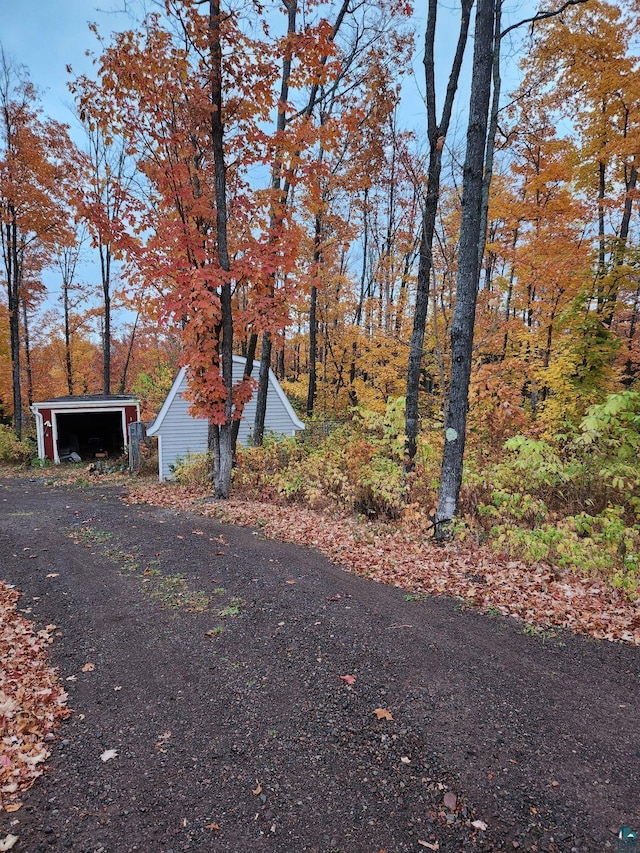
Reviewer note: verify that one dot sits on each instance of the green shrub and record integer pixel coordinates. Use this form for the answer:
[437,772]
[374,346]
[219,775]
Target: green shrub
[194,470]
[356,466]
[12,450]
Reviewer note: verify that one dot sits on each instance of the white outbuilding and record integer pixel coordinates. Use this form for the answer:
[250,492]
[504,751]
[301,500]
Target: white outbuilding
[180,433]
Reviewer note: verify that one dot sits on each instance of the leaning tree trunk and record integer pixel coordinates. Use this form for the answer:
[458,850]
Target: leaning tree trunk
[468,267]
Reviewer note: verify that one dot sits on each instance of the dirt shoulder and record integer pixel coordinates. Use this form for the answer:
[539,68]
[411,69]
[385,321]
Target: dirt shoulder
[222,696]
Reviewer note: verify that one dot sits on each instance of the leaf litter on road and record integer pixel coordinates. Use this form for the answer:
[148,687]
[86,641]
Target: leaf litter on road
[32,701]
[401,556]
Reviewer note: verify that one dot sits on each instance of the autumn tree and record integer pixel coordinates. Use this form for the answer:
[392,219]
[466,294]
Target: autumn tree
[103,183]
[33,181]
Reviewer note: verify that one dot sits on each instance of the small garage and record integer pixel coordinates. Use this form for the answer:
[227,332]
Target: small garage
[90,426]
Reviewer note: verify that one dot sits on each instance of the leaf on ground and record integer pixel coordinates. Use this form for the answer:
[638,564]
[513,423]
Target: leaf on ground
[32,701]
[53,575]
[108,754]
[383,714]
[429,845]
[350,679]
[291,583]
[13,807]
[258,789]
[8,842]
[532,592]
[212,826]
[88,667]
[450,800]
[479,824]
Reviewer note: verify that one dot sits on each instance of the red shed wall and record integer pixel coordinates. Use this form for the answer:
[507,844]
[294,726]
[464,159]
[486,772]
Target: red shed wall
[47,431]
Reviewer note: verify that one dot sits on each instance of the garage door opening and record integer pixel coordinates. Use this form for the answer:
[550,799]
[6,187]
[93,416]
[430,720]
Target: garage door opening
[90,435]
[86,427]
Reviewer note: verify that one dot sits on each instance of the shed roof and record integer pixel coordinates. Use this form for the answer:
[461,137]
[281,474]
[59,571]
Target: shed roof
[153,428]
[90,400]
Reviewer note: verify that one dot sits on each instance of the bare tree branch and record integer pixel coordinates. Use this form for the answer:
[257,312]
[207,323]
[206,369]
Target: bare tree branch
[541,16]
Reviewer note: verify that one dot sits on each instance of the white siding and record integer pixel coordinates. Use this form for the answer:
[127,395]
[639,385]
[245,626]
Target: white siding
[180,433]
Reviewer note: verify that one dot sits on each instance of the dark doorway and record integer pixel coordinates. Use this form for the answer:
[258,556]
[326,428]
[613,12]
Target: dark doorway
[90,433]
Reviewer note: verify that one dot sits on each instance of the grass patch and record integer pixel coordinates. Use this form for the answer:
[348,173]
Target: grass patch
[90,536]
[173,591]
[232,609]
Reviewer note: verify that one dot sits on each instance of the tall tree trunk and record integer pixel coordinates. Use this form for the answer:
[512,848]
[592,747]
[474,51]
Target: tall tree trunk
[313,351]
[105,270]
[468,267]
[67,337]
[313,320]
[223,443]
[248,370]
[263,389]
[125,369]
[27,353]
[14,269]
[437,132]
[275,217]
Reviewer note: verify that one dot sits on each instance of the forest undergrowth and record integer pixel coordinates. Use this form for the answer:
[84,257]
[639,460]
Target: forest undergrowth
[549,529]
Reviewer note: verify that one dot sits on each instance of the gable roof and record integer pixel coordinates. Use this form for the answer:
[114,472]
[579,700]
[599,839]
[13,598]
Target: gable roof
[153,428]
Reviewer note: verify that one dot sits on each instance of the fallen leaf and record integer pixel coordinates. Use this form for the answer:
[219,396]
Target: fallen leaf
[198,532]
[405,759]
[258,789]
[479,824]
[7,842]
[108,754]
[290,582]
[72,678]
[350,679]
[383,714]
[212,826]
[53,575]
[555,784]
[118,687]
[450,800]
[434,846]
[13,807]
[88,667]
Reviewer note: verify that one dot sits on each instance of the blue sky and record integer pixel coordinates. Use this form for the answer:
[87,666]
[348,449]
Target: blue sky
[47,36]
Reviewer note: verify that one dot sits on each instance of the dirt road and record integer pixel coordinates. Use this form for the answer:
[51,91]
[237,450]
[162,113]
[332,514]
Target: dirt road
[218,664]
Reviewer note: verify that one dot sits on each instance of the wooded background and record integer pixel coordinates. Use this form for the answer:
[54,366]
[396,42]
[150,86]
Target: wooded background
[248,184]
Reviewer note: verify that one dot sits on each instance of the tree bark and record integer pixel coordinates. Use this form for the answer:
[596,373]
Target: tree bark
[27,353]
[468,267]
[223,444]
[263,388]
[274,218]
[437,132]
[125,369]
[13,267]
